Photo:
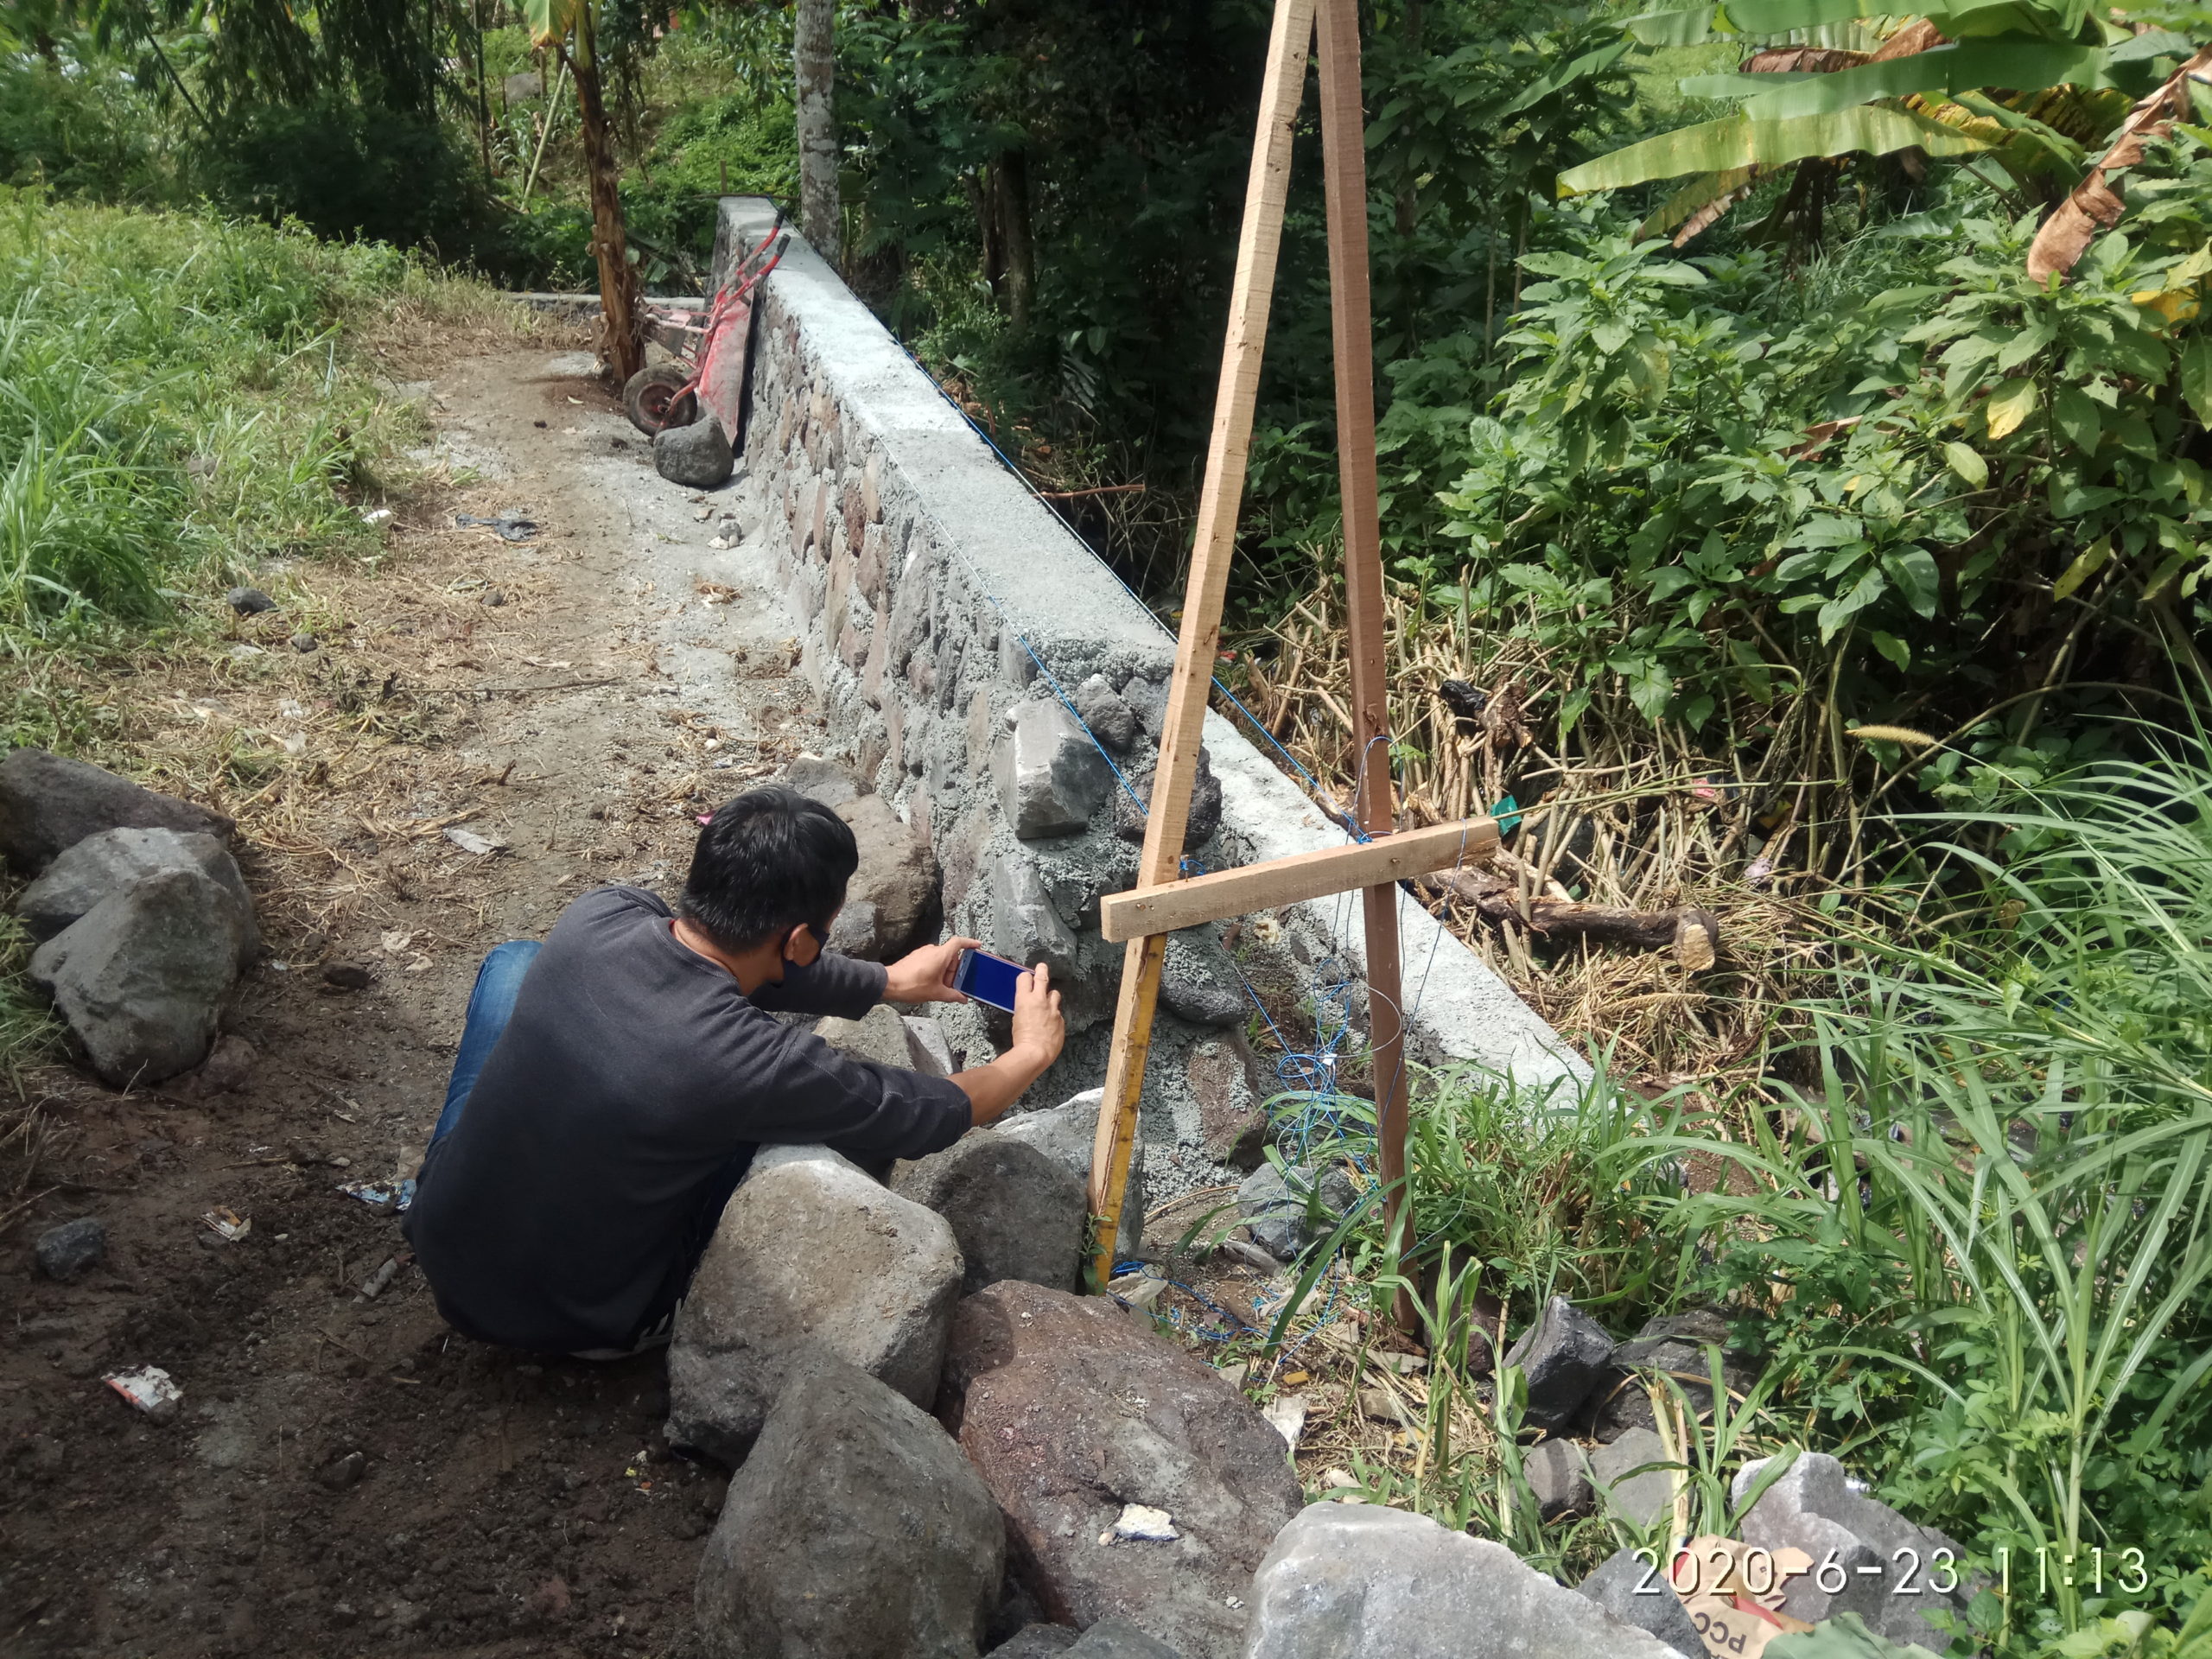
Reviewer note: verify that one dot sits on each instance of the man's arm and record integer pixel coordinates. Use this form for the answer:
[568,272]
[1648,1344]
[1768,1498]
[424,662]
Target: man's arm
[843,986]
[1038,1033]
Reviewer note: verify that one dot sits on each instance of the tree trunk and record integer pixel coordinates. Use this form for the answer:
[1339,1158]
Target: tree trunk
[621,342]
[1010,183]
[813,68]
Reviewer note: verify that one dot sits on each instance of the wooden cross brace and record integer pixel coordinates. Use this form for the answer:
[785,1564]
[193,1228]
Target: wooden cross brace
[1160,903]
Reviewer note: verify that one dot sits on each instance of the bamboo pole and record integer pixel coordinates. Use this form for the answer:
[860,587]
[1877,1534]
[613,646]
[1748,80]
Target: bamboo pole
[1251,297]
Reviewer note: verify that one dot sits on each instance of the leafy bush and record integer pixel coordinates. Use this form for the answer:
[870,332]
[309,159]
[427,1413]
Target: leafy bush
[2011,1150]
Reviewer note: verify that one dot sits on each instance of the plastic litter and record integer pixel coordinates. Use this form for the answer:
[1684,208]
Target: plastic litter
[150,1388]
[1140,1523]
[228,1222]
[507,526]
[393,1195]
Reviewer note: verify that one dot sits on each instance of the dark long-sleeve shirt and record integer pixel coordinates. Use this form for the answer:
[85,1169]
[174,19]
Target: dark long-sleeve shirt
[560,1212]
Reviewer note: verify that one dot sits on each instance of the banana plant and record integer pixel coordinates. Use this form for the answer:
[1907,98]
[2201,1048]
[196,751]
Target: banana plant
[2032,83]
[569,27]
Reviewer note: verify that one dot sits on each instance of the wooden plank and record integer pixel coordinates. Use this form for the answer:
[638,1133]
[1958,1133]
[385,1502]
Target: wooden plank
[1343,163]
[1251,296]
[1386,860]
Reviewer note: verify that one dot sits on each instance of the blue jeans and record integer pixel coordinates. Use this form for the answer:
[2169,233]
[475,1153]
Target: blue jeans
[491,1005]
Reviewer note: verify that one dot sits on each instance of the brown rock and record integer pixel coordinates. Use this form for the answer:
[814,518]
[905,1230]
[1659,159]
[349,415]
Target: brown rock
[1071,1412]
[898,877]
[1234,1128]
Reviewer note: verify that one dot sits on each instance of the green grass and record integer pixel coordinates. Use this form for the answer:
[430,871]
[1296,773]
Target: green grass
[178,400]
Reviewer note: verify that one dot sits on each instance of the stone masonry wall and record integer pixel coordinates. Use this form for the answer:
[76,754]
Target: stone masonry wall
[930,584]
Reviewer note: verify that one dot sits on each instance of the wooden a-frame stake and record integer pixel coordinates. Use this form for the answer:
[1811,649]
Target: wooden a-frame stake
[1342,133]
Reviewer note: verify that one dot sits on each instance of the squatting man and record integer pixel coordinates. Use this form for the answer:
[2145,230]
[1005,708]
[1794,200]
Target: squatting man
[612,1083]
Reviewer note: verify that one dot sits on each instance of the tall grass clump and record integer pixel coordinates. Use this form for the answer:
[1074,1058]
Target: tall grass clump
[1980,1250]
[175,396]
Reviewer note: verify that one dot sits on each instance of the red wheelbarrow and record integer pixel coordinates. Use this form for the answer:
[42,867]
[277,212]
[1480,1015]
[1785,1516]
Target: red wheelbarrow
[710,349]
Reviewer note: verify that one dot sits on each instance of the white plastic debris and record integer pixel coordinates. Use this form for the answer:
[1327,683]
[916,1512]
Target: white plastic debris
[1140,1523]
[375,515]
[227,1223]
[1286,1413]
[469,842]
[149,1389]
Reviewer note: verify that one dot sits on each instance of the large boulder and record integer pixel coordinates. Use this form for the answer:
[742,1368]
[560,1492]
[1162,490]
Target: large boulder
[102,865]
[856,1527]
[1026,927]
[1622,1469]
[49,803]
[1633,1589]
[697,456]
[879,1035]
[1563,1356]
[811,1254]
[1676,1345]
[1358,1581]
[1071,1413]
[1198,980]
[1204,818]
[1066,1133]
[1016,1213]
[1051,776]
[1285,1211]
[141,977]
[891,904]
[1814,1507]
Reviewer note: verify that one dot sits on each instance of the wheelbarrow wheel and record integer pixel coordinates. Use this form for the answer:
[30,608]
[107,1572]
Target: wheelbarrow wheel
[651,397]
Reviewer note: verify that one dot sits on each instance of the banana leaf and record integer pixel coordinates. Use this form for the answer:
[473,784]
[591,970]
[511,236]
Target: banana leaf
[551,20]
[1686,26]
[1738,141]
[1946,69]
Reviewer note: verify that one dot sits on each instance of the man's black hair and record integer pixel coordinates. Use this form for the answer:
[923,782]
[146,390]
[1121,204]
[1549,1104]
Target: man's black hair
[771,861]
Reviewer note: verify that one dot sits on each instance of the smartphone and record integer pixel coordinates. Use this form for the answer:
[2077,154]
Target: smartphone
[988,978]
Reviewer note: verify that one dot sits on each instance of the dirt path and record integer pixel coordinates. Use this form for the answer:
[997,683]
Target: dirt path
[578,699]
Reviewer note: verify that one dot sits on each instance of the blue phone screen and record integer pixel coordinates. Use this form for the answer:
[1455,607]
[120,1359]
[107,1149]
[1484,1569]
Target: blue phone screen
[989,979]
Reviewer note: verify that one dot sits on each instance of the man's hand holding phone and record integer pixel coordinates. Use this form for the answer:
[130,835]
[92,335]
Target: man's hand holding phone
[1038,1027]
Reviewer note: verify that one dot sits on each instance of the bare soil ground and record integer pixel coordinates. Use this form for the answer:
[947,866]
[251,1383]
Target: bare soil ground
[578,699]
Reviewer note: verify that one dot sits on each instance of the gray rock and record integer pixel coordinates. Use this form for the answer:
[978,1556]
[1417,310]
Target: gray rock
[1051,776]
[1630,1588]
[879,1035]
[820,781]
[1563,1356]
[1066,1133]
[811,1254]
[1070,1413]
[856,1527]
[856,932]
[1036,1641]
[249,601]
[49,803]
[1016,1213]
[141,977]
[1286,1214]
[1813,1508]
[1199,981]
[113,859]
[522,88]
[1675,1343]
[926,1049]
[1358,1581]
[1560,1477]
[1147,700]
[1116,1638]
[697,456]
[1205,817]
[1113,721]
[896,883]
[64,1252]
[1640,1498]
[1026,927]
